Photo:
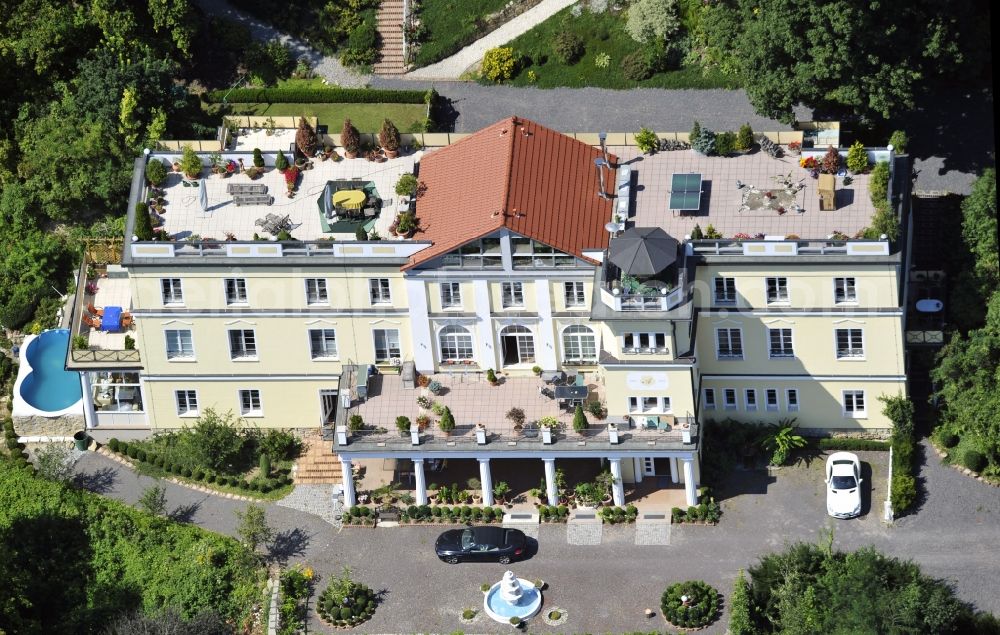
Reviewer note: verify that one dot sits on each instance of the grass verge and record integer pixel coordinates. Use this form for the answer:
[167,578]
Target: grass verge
[451,25]
[365,117]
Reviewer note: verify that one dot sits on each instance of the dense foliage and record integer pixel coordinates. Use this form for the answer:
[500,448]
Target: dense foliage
[968,371]
[690,604]
[809,589]
[869,60]
[650,20]
[74,561]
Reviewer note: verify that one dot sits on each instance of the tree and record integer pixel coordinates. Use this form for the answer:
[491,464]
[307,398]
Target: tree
[252,527]
[143,224]
[652,20]
[833,55]
[899,141]
[154,500]
[55,462]
[704,143]
[979,228]
[567,46]
[305,138]
[744,138]
[740,617]
[857,158]
[388,136]
[695,132]
[580,423]
[447,422]
[349,137]
[280,162]
[215,441]
[170,622]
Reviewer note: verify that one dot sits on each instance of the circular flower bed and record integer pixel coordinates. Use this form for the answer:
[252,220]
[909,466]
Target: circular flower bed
[555,616]
[691,604]
[346,603]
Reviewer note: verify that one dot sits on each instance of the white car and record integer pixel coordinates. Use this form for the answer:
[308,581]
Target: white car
[843,485]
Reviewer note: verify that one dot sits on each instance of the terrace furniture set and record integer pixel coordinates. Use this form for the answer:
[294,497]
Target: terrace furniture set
[274,224]
[249,194]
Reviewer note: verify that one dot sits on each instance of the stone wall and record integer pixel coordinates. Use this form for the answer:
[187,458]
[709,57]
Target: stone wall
[38,426]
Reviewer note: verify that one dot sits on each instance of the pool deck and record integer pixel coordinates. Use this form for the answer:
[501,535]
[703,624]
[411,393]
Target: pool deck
[27,417]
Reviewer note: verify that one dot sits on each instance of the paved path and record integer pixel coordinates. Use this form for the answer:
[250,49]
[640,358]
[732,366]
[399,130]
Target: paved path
[606,587]
[325,66]
[453,67]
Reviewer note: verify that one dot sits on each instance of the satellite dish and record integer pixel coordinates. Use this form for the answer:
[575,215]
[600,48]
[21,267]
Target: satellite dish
[611,227]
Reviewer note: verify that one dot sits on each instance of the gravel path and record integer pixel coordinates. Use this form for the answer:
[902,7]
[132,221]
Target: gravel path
[453,67]
[325,66]
[606,587]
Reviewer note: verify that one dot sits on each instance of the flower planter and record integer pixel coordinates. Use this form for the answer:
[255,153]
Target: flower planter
[390,154]
[351,155]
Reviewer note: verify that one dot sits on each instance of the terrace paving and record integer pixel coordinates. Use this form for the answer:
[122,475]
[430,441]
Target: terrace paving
[721,200]
[110,292]
[183,216]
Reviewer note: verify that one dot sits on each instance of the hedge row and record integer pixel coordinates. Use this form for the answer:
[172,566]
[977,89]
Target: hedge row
[852,445]
[317,96]
[197,474]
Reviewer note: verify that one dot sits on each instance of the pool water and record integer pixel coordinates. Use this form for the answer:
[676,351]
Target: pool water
[49,387]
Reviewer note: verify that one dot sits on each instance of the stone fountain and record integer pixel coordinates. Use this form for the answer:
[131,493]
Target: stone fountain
[512,597]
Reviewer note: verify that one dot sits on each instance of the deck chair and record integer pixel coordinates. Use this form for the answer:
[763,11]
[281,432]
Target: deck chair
[651,423]
[94,310]
[662,424]
[580,380]
[91,322]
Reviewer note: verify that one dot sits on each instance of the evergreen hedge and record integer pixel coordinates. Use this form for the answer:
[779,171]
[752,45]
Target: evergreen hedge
[317,96]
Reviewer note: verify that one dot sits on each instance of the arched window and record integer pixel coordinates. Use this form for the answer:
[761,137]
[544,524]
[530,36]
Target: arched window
[579,344]
[456,343]
[517,345]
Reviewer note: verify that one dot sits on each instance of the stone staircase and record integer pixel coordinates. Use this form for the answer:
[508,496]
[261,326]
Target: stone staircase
[390,31]
[318,464]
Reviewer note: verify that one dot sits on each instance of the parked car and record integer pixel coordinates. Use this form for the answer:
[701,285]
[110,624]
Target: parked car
[843,485]
[481,544]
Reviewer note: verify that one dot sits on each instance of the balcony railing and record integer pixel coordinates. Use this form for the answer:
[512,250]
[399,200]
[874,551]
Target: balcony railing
[729,247]
[93,357]
[275,249]
[657,295]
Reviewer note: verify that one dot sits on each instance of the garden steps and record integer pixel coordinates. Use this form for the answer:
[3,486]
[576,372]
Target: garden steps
[389,24]
[318,465]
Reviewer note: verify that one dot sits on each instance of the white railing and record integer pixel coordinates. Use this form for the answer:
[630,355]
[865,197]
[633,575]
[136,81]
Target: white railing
[731,247]
[112,418]
[274,249]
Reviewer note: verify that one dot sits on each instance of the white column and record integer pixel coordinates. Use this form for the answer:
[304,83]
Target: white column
[690,486]
[545,346]
[420,326]
[421,483]
[348,473]
[617,489]
[486,479]
[89,416]
[485,353]
[550,481]
[637,466]
[674,478]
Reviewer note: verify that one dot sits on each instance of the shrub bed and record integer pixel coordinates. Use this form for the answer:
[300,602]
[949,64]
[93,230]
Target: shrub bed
[848,444]
[296,586]
[553,513]
[699,608]
[450,515]
[707,513]
[317,96]
[616,515]
[345,602]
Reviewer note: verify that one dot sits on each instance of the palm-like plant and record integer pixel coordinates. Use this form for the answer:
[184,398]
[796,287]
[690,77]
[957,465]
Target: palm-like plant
[782,441]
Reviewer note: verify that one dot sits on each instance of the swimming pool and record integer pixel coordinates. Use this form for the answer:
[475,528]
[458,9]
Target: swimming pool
[43,386]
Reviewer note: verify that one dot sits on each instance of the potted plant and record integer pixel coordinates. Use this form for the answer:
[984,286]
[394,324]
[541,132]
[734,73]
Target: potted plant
[580,423]
[491,377]
[218,165]
[516,416]
[407,185]
[388,138]
[537,370]
[794,148]
[156,172]
[305,138]
[403,425]
[500,491]
[405,224]
[422,422]
[190,163]
[280,162]
[258,159]
[350,139]
[447,422]
[548,424]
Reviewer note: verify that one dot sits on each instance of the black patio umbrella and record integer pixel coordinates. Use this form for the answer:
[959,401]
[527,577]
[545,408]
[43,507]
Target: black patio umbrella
[643,251]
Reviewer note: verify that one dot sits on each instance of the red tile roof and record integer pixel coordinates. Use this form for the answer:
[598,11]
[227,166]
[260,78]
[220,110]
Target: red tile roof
[516,174]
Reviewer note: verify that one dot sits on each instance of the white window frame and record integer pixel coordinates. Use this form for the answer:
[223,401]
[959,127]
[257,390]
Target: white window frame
[237,283]
[454,336]
[324,354]
[853,355]
[388,348]
[512,295]
[792,399]
[708,398]
[573,336]
[728,290]
[654,343]
[380,291]
[317,293]
[782,353]
[179,356]
[246,355]
[174,296]
[781,296]
[750,399]
[729,337]
[574,295]
[768,405]
[451,295]
[726,404]
[251,411]
[841,286]
[188,397]
[849,401]
[648,404]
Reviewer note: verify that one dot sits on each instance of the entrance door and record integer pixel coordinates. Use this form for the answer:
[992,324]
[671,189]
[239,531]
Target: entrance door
[517,345]
[328,405]
[648,466]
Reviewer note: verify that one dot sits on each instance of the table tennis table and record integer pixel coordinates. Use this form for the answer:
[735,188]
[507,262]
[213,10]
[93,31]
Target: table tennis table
[685,192]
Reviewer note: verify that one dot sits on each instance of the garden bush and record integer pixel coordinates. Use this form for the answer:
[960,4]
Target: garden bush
[899,141]
[140,455]
[725,143]
[333,604]
[849,444]
[362,43]
[744,138]
[878,184]
[186,472]
[637,66]
[567,47]
[499,64]
[265,465]
[133,452]
[112,444]
[704,143]
[830,163]
[646,140]
[280,445]
[857,158]
[198,475]
[948,439]
[701,608]
[974,460]
[652,20]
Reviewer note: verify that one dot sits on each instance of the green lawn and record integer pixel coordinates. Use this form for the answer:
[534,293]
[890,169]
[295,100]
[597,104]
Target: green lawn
[365,117]
[601,33]
[451,25]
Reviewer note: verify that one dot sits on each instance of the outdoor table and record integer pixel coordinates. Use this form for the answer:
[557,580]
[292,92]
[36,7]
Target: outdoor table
[572,394]
[112,318]
[350,199]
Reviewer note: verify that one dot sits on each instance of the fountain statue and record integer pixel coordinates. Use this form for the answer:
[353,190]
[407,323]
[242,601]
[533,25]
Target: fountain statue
[512,597]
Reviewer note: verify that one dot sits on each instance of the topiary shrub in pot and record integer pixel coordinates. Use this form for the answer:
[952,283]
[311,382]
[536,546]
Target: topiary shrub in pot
[388,138]
[691,604]
[350,139]
[305,138]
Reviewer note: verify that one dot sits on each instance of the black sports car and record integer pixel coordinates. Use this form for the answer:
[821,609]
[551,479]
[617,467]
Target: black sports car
[481,544]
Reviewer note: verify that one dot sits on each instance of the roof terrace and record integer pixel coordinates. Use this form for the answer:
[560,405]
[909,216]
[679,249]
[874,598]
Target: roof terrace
[731,209]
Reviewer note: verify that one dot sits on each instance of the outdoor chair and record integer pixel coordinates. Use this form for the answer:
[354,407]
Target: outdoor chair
[94,310]
[580,380]
[91,322]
